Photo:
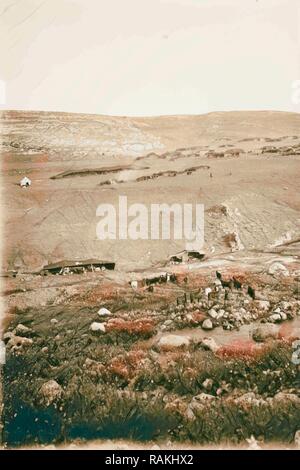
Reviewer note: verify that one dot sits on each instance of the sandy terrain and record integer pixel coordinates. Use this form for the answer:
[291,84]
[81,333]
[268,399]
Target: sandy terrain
[56,218]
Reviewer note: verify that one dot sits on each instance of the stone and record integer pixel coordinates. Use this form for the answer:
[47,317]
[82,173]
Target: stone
[283,316]
[104,312]
[8,335]
[208,384]
[53,321]
[212,313]
[263,305]
[22,330]
[50,392]
[207,324]
[278,268]
[275,318]
[97,327]
[210,343]
[172,342]
[18,343]
[202,398]
[253,445]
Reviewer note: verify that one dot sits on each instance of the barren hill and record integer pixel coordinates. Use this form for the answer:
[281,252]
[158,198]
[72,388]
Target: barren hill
[244,167]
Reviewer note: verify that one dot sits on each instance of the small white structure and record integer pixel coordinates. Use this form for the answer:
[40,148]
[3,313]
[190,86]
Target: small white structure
[134,284]
[25,182]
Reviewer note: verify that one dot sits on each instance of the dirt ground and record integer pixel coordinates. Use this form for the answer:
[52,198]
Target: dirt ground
[169,362]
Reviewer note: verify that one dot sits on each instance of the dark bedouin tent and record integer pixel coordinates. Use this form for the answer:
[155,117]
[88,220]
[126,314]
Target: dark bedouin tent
[77,266]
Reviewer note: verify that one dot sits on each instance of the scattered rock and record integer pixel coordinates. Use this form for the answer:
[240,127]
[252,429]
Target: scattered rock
[53,321]
[263,305]
[253,445]
[104,312]
[199,401]
[275,318]
[50,392]
[210,343]
[212,313]
[207,324]
[278,268]
[208,384]
[22,330]
[18,343]
[7,336]
[98,327]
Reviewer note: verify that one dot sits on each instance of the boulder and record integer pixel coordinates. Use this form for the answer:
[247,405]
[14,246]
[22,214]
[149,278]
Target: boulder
[173,342]
[97,327]
[104,312]
[278,268]
[275,318]
[208,384]
[263,305]
[22,330]
[50,392]
[213,313]
[7,336]
[201,399]
[18,343]
[253,444]
[207,324]
[209,343]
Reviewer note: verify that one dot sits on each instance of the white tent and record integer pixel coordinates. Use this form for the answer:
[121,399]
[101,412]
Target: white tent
[25,182]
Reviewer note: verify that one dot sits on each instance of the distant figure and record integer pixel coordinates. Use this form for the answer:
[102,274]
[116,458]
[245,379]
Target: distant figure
[211,175]
[251,292]
[237,284]
[219,275]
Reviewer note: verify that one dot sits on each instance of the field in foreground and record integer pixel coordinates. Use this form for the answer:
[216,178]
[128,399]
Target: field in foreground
[155,371]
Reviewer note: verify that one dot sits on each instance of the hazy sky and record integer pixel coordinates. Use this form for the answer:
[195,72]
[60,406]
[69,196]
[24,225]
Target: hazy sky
[148,57]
